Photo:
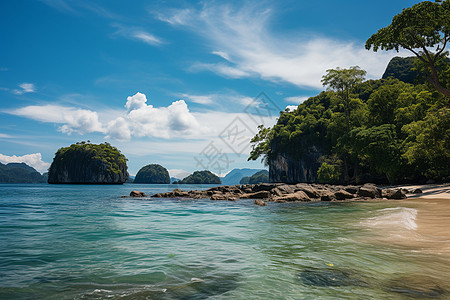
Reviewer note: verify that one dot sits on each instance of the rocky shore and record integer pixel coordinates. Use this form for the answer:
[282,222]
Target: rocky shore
[281,192]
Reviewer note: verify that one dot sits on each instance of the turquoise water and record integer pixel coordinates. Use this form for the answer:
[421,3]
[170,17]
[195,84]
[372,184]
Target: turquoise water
[86,242]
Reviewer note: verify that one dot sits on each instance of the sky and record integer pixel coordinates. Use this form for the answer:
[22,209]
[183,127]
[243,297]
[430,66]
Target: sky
[180,83]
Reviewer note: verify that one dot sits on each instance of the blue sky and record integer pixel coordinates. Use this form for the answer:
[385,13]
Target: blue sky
[179,83]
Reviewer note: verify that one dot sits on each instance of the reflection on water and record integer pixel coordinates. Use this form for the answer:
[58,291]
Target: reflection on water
[85,242]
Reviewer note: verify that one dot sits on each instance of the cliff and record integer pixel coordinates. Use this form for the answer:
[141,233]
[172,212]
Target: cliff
[285,169]
[153,174]
[87,163]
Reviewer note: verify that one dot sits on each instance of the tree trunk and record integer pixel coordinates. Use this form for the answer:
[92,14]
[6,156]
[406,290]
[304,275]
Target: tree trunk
[434,80]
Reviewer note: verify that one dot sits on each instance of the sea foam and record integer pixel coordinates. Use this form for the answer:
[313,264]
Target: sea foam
[393,218]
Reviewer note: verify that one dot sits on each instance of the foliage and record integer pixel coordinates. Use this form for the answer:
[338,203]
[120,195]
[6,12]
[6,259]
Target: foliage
[328,173]
[391,125]
[153,173]
[427,145]
[200,177]
[423,29]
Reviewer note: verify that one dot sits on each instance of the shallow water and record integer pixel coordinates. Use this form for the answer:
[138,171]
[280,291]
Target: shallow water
[85,242]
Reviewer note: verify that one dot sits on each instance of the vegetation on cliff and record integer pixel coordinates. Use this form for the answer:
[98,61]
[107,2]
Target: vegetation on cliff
[200,177]
[259,177]
[391,129]
[88,163]
[383,130]
[152,173]
[19,173]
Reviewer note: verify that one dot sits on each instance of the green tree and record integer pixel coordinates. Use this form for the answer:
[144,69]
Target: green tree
[423,29]
[342,81]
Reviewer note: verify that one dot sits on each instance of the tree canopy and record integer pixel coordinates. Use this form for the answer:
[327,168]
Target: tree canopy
[423,29]
[392,132]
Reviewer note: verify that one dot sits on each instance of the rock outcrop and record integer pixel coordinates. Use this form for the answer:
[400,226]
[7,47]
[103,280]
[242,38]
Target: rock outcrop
[85,163]
[281,192]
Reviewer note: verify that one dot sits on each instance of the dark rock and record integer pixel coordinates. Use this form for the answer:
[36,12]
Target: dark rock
[260,202]
[416,287]
[393,194]
[430,181]
[351,189]
[137,194]
[417,191]
[343,195]
[406,191]
[263,187]
[257,195]
[331,277]
[369,190]
[286,188]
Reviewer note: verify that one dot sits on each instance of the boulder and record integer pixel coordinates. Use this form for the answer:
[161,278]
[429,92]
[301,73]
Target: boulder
[326,195]
[351,189]
[260,202]
[369,190]
[417,191]
[343,195]
[297,196]
[393,194]
[263,187]
[137,194]
[257,195]
[311,191]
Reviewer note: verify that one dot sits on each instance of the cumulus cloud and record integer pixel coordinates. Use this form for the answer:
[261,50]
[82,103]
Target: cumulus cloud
[25,88]
[244,33]
[143,119]
[34,160]
[73,119]
[178,173]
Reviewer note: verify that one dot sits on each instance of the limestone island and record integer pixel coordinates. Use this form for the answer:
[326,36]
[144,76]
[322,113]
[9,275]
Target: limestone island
[153,173]
[86,163]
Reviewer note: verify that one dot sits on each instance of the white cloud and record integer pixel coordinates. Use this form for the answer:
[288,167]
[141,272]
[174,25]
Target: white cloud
[73,119]
[33,160]
[296,99]
[291,107]
[138,34]
[178,173]
[143,120]
[244,33]
[5,136]
[25,88]
[222,69]
[222,54]
[200,99]
[146,37]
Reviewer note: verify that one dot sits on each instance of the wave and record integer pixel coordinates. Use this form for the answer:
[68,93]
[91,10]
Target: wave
[393,218]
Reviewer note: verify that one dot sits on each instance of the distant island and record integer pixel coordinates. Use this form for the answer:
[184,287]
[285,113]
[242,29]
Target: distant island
[20,173]
[152,173]
[235,176]
[200,177]
[259,177]
[87,163]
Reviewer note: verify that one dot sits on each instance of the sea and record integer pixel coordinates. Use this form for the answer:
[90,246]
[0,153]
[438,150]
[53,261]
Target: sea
[87,242]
